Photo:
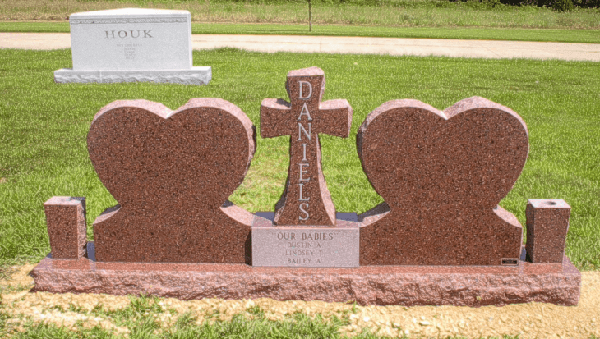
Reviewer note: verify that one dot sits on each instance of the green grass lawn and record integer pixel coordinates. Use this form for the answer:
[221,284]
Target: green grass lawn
[516,34]
[43,128]
[440,19]
[141,321]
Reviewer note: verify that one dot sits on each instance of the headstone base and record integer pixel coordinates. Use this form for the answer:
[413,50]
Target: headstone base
[198,75]
[473,286]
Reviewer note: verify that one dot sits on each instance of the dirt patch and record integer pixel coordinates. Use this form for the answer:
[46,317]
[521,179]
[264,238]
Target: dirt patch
[532,320]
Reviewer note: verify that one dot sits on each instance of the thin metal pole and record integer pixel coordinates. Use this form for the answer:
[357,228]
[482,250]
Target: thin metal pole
[208,6]
[309,16]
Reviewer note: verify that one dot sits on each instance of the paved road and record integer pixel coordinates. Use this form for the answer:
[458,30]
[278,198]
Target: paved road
[326,44]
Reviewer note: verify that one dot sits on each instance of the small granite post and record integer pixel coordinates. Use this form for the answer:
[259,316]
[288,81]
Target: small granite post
[547,227]
[132,45]
[65,217]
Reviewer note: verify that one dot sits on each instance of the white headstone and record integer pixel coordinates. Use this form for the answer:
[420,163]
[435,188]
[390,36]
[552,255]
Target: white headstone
[132,44]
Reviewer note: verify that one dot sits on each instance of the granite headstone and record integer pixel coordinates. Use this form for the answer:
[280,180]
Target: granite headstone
[132,45]
[440,238]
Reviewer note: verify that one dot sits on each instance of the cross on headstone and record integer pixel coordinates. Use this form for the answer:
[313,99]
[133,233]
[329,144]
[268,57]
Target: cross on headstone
[306,199]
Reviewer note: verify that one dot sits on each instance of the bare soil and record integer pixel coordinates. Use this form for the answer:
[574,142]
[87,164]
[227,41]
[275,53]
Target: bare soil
[532,320]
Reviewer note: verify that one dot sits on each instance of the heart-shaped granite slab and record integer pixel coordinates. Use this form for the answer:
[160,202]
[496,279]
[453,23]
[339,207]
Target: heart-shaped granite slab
[171,173]
[442,174]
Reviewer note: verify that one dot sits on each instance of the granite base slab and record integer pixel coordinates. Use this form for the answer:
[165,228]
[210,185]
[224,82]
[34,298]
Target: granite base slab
[198,75]
[473,286]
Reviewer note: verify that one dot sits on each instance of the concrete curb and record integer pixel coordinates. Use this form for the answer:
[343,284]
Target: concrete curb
[495,49]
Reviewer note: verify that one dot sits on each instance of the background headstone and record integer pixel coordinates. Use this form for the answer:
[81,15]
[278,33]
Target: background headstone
[171,173]
[442,175]
[132,44]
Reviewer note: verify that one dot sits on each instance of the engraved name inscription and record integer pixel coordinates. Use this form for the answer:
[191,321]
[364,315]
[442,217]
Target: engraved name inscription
[131,33]
[129,50]
[304,134]
[287,246]
[304,247]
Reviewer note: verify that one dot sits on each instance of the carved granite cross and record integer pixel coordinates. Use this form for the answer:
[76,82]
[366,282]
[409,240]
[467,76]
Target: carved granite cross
[306,199]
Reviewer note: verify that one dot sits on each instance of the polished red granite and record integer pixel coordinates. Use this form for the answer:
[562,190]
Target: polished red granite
[65,220]
[442,175]
[171,173]
[369,285]
[440,237]
[306,200]
[547,227]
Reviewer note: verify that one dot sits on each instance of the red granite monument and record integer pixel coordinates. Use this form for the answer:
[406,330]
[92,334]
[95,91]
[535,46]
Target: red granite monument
[440,238]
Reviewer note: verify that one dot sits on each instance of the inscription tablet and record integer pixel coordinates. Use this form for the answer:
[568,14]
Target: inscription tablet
[305,246]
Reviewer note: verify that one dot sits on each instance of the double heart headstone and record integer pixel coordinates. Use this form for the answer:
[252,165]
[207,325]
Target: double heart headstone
[441,175]
[440,238]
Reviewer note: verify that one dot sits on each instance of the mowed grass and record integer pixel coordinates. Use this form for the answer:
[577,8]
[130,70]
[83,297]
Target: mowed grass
[144,319]
[43,129]
[409,13]
[151,318]
[516,34]
[440,19]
